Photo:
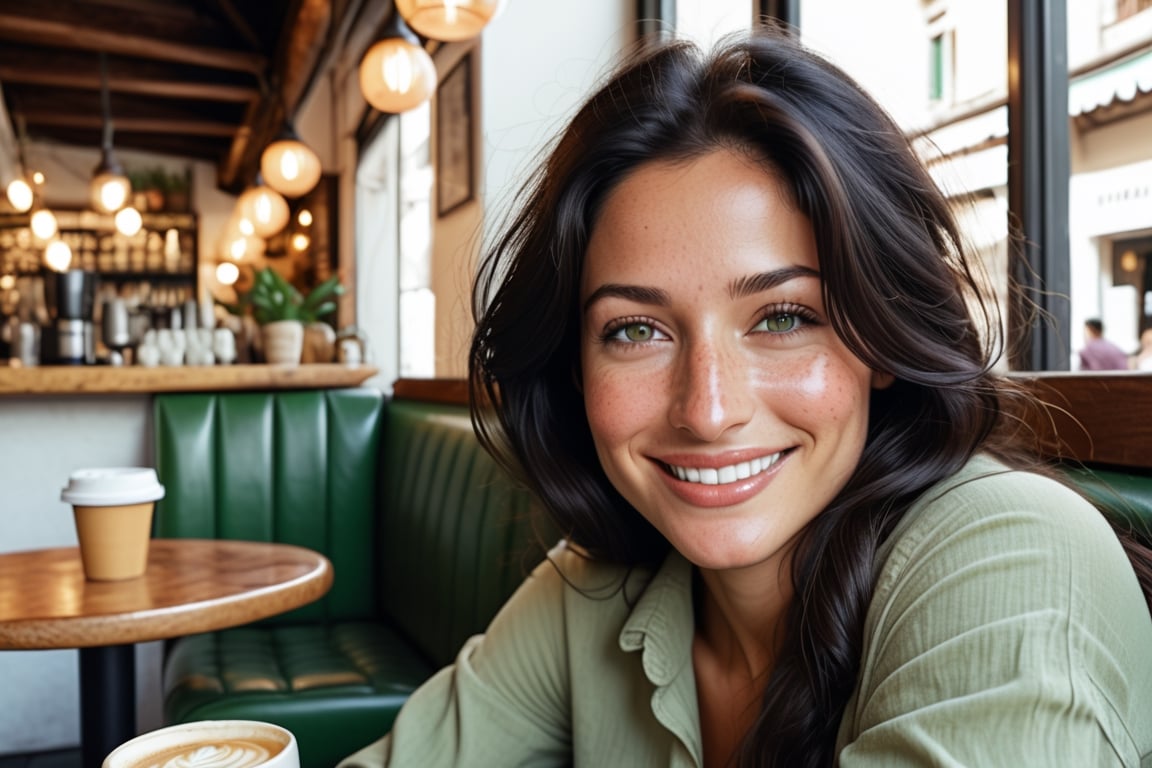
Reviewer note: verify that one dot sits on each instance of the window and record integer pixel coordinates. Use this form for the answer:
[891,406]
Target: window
[936,64]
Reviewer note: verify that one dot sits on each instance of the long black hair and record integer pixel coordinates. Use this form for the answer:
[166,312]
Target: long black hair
[899,289]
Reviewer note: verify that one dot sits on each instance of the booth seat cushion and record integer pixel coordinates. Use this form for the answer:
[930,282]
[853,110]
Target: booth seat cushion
[334,686]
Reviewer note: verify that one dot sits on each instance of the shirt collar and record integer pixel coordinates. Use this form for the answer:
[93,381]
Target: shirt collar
[662,626]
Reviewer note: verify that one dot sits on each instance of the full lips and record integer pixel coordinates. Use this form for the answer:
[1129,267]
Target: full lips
[725,494]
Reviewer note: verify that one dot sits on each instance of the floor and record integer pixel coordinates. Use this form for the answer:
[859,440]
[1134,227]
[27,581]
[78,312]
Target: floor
[65,758]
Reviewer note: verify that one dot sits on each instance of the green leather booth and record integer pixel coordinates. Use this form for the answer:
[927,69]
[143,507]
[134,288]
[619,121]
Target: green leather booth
[1124,492]
[426,535]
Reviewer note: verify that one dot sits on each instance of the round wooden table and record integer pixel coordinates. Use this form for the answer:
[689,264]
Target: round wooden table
[190,586]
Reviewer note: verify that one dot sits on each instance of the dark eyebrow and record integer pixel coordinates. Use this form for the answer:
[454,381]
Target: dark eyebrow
[763,281]
[636,293]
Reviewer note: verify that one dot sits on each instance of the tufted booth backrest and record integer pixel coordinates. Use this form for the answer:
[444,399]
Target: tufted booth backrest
[455,537]
[294,467]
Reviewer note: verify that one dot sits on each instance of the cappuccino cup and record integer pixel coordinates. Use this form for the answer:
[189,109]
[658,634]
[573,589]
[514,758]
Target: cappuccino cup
[209,744]
[112,507]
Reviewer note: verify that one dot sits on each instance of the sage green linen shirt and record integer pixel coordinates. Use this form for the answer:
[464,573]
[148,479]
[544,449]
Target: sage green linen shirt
[1007,629]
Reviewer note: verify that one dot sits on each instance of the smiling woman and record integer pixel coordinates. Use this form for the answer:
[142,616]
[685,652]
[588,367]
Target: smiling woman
[729,343]
[704,293]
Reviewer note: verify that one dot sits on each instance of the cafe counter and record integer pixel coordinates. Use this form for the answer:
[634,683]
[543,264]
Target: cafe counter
[103,379]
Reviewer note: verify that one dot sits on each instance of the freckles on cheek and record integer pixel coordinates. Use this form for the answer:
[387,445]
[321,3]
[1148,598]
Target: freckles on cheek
[817,385]
[607,402]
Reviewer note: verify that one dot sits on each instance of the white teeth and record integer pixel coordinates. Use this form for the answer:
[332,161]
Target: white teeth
[723,475]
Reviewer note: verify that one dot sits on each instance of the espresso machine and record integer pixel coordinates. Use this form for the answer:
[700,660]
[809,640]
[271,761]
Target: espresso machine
[69,338]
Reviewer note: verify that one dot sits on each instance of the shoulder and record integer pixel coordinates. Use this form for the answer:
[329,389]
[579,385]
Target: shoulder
[1029,541]
[1001,587]
[987,507]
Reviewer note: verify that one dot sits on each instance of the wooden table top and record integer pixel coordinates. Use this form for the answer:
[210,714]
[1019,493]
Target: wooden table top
[191,585]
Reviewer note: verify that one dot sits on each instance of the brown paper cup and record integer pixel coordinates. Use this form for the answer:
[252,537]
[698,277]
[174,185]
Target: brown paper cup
[114,540]
[113,507]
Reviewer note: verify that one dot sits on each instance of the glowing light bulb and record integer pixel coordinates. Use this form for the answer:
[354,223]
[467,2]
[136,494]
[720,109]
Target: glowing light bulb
[397,75]
[128,221]
[290,167]
[227,273]
[265,208]
[58,256]
[20,195]
[43,224]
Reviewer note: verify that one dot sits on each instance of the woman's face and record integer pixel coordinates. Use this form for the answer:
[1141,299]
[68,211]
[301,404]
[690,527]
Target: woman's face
[722,404]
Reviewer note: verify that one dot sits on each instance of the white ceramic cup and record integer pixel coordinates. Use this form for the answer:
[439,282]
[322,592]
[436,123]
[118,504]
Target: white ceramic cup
[209,744]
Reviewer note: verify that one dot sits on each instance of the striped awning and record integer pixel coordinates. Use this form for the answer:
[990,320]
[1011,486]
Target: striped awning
[1119,82]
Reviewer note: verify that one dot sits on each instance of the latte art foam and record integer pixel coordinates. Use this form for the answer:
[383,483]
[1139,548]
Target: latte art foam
[234,753]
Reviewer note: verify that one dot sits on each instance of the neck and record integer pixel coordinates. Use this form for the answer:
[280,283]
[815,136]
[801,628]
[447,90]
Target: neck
[742,617]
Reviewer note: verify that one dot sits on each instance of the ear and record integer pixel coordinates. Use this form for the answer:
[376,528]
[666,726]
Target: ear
[882,380]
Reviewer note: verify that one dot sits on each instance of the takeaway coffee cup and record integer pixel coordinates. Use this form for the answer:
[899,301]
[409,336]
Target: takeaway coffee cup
[209,744]
[113,511]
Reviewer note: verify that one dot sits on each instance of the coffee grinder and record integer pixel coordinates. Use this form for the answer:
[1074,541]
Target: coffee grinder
[70,296]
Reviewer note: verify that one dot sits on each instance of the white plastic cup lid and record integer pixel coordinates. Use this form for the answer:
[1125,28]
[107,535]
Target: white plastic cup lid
[108,486]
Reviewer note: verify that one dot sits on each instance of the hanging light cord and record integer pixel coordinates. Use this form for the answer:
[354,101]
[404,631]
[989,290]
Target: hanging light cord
[105,102]
[21,143]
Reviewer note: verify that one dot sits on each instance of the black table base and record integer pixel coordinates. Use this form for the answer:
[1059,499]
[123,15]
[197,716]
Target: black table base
[107,700]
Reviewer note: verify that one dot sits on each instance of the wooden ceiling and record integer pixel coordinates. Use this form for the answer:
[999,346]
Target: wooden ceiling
[201,79]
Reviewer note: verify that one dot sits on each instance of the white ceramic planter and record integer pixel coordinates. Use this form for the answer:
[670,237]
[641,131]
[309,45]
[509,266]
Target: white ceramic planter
[283,342]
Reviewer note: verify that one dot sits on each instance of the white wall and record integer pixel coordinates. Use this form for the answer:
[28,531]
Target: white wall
[45,438]
[542,59]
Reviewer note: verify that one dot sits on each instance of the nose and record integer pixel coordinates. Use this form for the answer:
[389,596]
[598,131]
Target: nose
[712,392]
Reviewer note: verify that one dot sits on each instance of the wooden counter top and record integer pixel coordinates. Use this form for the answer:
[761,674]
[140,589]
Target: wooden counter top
[100,379]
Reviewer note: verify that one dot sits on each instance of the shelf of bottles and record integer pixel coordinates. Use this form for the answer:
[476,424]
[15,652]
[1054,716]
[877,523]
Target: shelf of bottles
[163,251]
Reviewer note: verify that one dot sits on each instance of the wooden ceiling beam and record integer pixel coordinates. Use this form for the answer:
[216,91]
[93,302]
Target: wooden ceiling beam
[295,64]
[24,29]
[139,86]
[124,125]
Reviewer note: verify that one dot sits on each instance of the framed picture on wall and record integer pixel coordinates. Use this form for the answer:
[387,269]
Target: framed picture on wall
[454,138]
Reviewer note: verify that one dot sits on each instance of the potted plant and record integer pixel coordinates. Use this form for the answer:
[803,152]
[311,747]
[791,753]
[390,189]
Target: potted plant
[283,311]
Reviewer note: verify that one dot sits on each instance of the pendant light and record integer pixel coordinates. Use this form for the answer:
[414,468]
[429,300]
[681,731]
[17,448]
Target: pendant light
[20,193]
[58,255]
[110,187]
[43,224]
[128,221]
[449,20]
[289,165]
[264,208]
[397,74]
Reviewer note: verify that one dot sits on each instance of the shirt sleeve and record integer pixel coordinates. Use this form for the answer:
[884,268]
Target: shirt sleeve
[1007,629]
[504,701]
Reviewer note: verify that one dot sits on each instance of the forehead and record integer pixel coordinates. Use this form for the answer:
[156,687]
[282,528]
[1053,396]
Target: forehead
[723,213]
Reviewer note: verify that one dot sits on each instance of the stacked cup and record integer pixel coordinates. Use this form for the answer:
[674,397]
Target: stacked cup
[113,512]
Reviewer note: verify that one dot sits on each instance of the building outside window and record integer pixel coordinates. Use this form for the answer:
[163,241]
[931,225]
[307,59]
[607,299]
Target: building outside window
[961,128]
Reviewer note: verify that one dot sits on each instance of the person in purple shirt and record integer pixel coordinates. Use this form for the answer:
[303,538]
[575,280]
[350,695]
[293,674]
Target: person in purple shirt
[1099,354]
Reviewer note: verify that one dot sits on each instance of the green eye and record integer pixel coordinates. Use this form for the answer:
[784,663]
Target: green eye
[780,323]
[638,332]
